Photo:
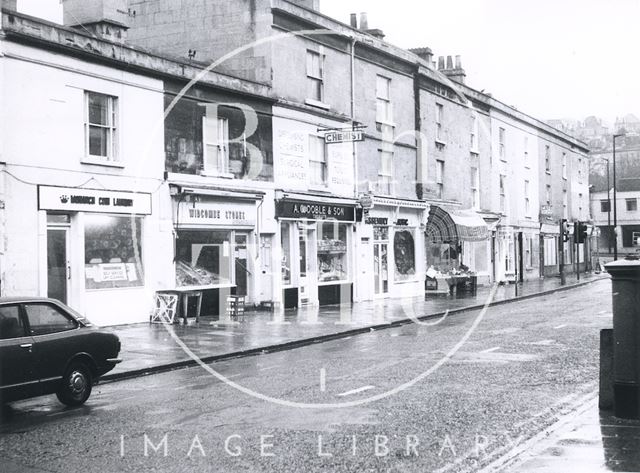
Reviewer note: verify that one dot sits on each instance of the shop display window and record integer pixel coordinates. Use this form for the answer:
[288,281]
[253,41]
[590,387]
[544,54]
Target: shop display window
[444,257]
[113,251]
[404,252]
[332,252]
[203,258]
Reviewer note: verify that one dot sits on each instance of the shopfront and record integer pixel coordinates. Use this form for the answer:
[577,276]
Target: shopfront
[549,237]
[457,243]
[96,248]
[391,239]
[316,250]
[215,245]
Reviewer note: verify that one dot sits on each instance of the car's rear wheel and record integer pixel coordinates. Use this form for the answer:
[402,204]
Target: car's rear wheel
[76,385]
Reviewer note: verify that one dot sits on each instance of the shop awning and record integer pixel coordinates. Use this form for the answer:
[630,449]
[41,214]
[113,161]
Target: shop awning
[446,225]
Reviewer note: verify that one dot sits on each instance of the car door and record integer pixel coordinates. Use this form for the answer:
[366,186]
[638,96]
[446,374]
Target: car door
[18,378]
[54,342]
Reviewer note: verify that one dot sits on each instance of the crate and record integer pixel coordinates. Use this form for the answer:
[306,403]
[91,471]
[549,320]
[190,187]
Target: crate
[235,305]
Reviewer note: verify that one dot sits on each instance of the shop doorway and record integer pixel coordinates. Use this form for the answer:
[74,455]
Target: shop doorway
[381,260]
[241,264]
[58,264]
[307,258]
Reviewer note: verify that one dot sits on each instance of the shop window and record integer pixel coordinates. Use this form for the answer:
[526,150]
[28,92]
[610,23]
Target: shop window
[443,256]
[285,244]
[404,252]
[317,161]
[380,233]
[332,252]
[203,258]
[100,126]
[112,251]
[215,134]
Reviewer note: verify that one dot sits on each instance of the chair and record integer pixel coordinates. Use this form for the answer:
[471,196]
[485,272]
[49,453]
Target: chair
[165,308]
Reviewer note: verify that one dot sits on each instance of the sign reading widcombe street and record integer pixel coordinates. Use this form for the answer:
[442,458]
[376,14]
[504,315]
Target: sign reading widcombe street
[343,136]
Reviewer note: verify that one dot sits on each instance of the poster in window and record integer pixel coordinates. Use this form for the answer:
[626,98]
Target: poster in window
[404,253]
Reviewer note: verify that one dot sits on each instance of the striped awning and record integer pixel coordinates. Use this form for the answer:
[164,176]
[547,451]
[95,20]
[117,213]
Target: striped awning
[448,225]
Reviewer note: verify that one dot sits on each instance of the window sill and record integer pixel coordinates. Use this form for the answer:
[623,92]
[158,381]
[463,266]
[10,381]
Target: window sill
[101,162]
[547,172]
[440,143]
[385,123]
[222,175]
[475,151]
[317,104]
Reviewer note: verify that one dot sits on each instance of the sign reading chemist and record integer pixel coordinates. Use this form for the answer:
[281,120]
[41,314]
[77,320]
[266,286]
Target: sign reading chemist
[72,199]
[315,211]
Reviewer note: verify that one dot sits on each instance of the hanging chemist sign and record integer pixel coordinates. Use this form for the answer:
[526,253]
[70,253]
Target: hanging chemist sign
[315,210]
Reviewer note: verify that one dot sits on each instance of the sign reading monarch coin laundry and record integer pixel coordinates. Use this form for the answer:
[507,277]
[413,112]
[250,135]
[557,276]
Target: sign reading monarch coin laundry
[315,211]
[74,199]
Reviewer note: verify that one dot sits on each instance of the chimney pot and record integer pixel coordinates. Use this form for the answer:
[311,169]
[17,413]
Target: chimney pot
[364,22]
[449,63]
[354,20]
[9,4]
[458,63]
[440,62]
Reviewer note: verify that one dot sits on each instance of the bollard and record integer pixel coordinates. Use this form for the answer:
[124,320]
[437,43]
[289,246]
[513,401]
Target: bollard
[625,282]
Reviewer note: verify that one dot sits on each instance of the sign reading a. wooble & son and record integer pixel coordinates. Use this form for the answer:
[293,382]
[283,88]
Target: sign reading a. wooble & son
[315,210]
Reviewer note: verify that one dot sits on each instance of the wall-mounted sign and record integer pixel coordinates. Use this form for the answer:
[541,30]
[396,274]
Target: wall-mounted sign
[376,221]
[315,211]
[339,136]
[366,201]
[73,199]
[219,213]
[402,222]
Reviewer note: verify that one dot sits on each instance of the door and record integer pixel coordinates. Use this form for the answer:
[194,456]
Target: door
[307,278]
[241,261]
[520,256]
[17,374]
[58,266]
[380,268]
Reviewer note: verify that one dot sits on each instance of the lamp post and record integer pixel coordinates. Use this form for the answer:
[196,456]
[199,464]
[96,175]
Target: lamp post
[615,207]
[608,205]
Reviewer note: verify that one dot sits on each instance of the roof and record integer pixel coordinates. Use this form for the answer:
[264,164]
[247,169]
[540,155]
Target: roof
[629,184]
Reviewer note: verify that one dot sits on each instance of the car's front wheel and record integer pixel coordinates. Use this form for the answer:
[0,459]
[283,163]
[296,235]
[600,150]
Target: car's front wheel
[76,385]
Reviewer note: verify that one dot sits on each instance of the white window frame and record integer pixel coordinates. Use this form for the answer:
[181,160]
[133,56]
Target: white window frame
[501,144]
[111,127]
[475,187]
[385,175]
[384,109]
[315,76]
[440,178]
[220,140]
[474,133]
[503,193]
[527,199]
[439,116]
[315,143]
[547,159]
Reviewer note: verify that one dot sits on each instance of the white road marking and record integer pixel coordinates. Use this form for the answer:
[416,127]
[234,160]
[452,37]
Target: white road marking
[223,334]
[542,342]
[366,349]
[269,367]
[489,350]
[356,391]
[395,334]
[323,379]
[560,326]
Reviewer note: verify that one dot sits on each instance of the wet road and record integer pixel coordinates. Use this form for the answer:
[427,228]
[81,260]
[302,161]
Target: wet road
[452,396]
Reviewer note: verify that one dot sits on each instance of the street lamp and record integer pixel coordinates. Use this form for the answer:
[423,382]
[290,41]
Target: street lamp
[615,207]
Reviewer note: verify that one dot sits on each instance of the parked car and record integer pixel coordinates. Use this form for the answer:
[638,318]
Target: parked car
[47,347]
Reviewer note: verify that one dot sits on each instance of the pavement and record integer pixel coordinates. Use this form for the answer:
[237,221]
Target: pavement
[152,348]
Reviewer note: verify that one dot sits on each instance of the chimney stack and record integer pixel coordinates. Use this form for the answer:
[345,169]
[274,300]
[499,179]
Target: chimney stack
[354,20]
[425,54]
[456,74]
[364,22]
[108,19]
[9,4]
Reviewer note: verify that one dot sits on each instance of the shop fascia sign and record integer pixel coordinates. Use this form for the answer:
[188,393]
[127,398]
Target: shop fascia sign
[315,210]
[217,213]
[72,199]
[343,135]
